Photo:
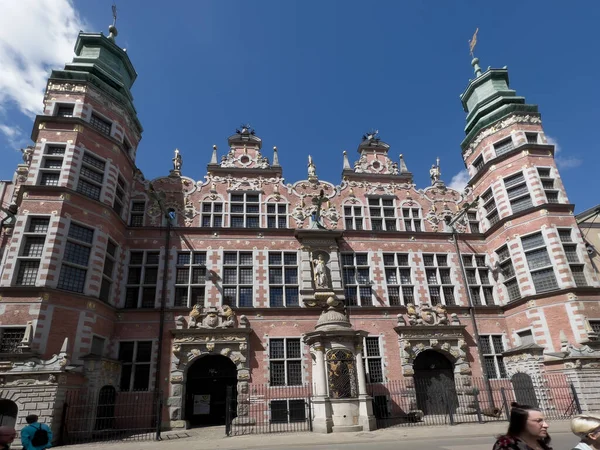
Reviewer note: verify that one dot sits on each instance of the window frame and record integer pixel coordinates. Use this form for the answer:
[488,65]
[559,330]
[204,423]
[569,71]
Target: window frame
[443,287]
[135,213]
[66,265]
[142,285]
[286,360]
[284,285]
[480,288]
[377,212]
[22,258]
[238,285]
[21,329]
[85,169]
[48,156]
[215,218]
[412,223]
[101,123]
[534,271]
[498,357]
[376,359]
[245,215]
[401,287]
[134,364]
[356,299]
[190,286]
[354,218]
[277,217]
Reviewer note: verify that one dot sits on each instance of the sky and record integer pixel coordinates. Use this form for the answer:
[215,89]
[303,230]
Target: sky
[312,76]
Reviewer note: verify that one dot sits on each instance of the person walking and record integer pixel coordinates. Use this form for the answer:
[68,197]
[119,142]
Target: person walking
[587,428]
[35,436]
[527,430]
[7,436]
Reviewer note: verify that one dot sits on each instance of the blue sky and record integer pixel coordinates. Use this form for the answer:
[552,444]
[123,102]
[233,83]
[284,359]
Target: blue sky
[311,77]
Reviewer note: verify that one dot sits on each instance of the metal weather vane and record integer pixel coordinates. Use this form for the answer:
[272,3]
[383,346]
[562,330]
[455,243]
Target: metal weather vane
[114,11]
[473,43]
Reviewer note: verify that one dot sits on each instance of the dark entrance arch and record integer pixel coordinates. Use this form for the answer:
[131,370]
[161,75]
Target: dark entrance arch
[206,390]
[524,389]
[434,383]
[105,411]
[8,412]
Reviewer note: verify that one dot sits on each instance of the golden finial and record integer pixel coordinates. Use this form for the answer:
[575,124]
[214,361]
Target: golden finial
[473,43]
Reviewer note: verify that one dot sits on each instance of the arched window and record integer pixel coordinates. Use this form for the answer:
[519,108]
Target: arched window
[8,412]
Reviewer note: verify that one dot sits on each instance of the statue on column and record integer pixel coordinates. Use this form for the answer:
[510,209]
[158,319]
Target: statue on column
[320,272]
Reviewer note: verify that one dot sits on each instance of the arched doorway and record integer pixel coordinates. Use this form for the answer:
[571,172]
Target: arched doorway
[434,383]
[524,389]
[8,412]
[105,411]
[206,390]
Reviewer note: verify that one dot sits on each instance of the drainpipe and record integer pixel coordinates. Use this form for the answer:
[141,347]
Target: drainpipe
[463,273]
[163,302]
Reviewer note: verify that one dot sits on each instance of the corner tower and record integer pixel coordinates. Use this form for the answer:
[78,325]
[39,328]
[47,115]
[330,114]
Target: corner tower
[532,238]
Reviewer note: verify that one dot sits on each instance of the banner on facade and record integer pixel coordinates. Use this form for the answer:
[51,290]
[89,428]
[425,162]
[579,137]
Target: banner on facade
[202,404]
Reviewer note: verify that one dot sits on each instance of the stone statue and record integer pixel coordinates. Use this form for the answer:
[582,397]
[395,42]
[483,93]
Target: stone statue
[320,272]
[312,170]
[435,173]
[177,161]
[27,155]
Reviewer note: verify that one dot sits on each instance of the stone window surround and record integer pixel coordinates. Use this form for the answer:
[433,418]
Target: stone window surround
[151,363]
[229,214]
[284,285]
[95,112]
[521,196]
[78,177]
[24,234]
[353,217]
[496,355]
[381,357]
[45,155]
[143,266]
[91,245]
[550,266]
[381,208]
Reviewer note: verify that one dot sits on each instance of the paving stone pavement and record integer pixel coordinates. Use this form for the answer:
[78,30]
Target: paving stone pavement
[214,437]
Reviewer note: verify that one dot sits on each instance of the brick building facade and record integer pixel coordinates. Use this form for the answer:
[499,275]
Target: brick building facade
[95,258]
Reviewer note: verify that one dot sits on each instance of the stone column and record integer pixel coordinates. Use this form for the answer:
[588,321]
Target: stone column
[320,369]
[360,369]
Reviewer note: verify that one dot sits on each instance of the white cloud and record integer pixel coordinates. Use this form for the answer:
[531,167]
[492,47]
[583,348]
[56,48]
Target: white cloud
[563,162]
[10,132]
[34,38]
[14,136]
[460,180]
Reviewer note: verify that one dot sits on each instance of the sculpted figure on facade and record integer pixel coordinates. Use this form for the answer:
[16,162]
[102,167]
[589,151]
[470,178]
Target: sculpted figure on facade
[435,173]
[212,317]
[320,272]
[312,170]
[177,161]
[424,314]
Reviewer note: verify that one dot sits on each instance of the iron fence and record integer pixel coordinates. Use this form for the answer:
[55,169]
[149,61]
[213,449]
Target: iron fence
[109,415]
[269,409]
[469,399]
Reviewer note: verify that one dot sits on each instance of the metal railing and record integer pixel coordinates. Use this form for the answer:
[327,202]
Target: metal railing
[109,415]
[269,409]
[465,400]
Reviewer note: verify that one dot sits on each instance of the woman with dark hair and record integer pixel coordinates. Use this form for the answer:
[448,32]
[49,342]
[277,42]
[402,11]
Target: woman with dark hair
[527,430]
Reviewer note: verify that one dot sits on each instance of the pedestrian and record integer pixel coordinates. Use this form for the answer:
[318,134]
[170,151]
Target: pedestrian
[527,430]
[7,436]
[587,428]
[35,436]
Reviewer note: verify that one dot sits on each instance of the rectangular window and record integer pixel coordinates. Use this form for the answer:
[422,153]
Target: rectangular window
[473,222]
[532,138]
[285,362]
[539,263]
[142,276]
[11,338]
[383,214]
[508,274]
[119,196]
[412,219]
[103,126]
[91,176]
[135,358]
[212,214]
[136,214]
[398,278]
[478,278]
[595,326]
[492,348]
[577,269]
[238,279]
[76,257]
[478,163]
[489,204]
[372,360]
[437,272]
[97,346]
[108,271]
[283,279]
[504,146]
[65,110]
[357,279]
[190,279]
[548,184]
[277,215]
[288,411]
[244,210]
[518,193]
[32,250]
[353,217]
[52,162]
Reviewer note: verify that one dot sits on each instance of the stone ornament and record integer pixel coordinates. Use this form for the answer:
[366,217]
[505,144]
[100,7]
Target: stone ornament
[320,276]
[426,315]
[212,317]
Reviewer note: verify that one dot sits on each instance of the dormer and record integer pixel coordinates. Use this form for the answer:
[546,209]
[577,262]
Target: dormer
[374,162]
